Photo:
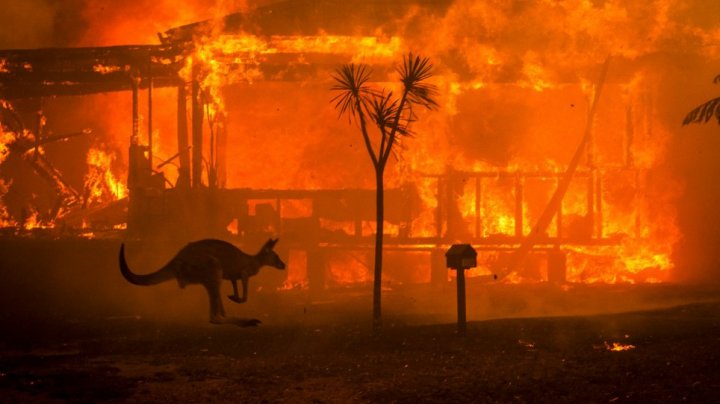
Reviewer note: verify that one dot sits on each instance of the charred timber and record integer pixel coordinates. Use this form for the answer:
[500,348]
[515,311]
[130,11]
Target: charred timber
[26,73]
[307,17]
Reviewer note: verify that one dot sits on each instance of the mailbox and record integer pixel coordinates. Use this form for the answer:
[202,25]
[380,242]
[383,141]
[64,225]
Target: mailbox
[461,256]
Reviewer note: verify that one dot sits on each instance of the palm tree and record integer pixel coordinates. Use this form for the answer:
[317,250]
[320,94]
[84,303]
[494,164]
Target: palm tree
[391,116]
[703,112]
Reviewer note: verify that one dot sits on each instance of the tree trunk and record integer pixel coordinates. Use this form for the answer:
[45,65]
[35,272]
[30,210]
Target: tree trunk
[380,220]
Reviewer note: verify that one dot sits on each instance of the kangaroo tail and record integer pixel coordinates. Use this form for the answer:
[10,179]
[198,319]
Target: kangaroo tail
[163,274]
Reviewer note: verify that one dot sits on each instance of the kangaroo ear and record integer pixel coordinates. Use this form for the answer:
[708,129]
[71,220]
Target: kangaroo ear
[270,244]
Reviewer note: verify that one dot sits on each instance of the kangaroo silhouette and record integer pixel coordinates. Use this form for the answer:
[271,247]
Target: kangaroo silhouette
[207,262]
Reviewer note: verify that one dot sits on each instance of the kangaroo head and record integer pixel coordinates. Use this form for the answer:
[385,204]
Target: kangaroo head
[269,257]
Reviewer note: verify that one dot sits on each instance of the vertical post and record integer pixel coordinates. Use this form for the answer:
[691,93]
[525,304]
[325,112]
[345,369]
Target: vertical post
[133,174]
[182,137]
[518,206]
[462,323]
[590,149]
[150,115]
[439,210]
[478,207]
[40,128]
[134,140]
[559,217]
[197,131]
[591,202]
[221,152]
[598,206]
[629,137]
[451,211]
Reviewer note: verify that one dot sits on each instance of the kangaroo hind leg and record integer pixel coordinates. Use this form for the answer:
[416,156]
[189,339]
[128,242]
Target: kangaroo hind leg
[235,297]
[217,311]
[212,285]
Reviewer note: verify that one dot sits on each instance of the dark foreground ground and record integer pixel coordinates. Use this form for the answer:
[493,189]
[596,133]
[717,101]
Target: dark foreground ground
[72,329]
[554,359]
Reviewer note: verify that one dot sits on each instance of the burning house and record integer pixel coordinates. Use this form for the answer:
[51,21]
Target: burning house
[224,128]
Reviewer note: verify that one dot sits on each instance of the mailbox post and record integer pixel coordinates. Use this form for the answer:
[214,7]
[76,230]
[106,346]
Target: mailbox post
[461,257]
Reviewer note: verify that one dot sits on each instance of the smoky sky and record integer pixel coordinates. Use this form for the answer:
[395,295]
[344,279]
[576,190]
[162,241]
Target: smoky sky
[676,39]
[61,23]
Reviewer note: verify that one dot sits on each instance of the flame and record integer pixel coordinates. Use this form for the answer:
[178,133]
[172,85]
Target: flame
[221,60]
[6,138]
[515,87]
[33,221]
[103,69]
[5,219]
[101,184]
[618,346]
[348,268]
[297,277]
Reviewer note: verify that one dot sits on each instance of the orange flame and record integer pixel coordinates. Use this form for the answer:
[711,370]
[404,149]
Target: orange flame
[618,346]
[101,184]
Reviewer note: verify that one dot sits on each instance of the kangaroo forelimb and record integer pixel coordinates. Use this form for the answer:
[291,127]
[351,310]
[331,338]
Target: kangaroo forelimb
[235,297]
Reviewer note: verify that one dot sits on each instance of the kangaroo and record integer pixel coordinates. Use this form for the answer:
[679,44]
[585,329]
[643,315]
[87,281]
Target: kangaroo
[207,262]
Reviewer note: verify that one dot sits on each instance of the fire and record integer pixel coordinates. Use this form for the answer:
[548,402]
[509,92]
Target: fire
[618,346]
[5,139]
[297,276]
[35,222]
[221,60]
[101,185]
[349,268]
[5,218]
[102,69]
[516,85]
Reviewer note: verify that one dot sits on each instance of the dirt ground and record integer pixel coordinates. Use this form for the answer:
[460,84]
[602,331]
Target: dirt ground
[550,359]
[73,330]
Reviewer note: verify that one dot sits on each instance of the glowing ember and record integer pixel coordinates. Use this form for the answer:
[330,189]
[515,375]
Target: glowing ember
[5,218]
[103,69]
[527,344]
[101,185]
[297,277]
[618,347]
[35,222]
[5,139]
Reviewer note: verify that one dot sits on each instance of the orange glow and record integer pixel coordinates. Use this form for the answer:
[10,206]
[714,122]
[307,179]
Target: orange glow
[618,347]
[515,85]
[5,139]
[34,222]
[348,268]
[297,277]
[101,184]
[102,69]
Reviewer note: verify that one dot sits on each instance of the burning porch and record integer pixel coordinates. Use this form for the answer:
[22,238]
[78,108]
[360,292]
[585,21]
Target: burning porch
[113,133]
[224,129]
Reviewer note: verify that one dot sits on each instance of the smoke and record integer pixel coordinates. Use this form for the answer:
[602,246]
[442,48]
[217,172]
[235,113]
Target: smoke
[510,74]
[51,23]
[27,23]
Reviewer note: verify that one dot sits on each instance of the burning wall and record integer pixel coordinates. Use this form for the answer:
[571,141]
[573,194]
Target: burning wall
[516,81]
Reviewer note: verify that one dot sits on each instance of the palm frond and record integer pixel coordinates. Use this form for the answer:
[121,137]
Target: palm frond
[383,109]
[413,72]
[704,112]
[351,81]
